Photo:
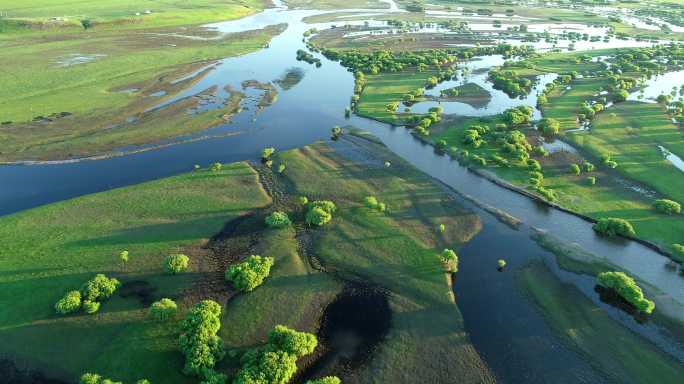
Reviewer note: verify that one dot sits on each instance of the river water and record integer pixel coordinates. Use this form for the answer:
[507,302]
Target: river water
[504,326]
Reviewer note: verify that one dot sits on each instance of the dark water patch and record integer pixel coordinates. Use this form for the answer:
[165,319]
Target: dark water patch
[11,374]
[140,289]
[352,327]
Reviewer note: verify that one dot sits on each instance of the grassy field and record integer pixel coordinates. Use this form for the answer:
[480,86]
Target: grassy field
[564,105]
[471,94]
[396,250]
[50,250]
[122,13]
[386,88]
[40,77]
[622,355]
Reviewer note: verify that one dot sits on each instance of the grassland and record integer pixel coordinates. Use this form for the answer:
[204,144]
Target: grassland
[217,218]
[386,88]
[41,78]
[55,248]
[616,351]
[471,94]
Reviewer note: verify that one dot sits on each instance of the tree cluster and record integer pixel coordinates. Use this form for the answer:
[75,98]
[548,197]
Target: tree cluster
[627,288]
[199,341]
[249,274]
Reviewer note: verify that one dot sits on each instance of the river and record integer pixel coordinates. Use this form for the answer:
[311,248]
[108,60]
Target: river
[522,348]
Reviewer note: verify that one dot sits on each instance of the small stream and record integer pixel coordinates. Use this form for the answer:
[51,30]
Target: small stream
[504,326]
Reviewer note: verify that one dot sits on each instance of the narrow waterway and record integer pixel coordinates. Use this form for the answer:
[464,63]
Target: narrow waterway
[514,339]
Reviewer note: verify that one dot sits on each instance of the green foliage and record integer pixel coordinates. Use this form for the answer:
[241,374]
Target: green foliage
[91,307]
[199,341]
[278,219]
[575,169]
[518,116]
[373,203]
[326,380]
[70,303]
[303,200]
[123,256]
[678,250]
[612,226]
[92,378]
[176,263]
[267,367]
[143,381]
[549,126]
[288,340]
[216,167]
[99,288]
[267,153]
[449,260]
[588,167]
[591,180]
[442,228]
[281,168]
[627,288]
[249,274]
[667,206]
[320,212]
[163,309]
[501,263]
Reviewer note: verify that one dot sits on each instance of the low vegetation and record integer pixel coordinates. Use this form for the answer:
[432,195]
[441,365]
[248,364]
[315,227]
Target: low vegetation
[627,288]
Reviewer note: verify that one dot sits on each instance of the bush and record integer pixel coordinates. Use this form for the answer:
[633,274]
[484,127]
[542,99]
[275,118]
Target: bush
[588,167]
[249,274]
[549,127]
[667,206]
[575,169]
[199,341]
[176,263]
[614,226]
[501,263]
[123,256]
[591,180]
[267,153]
[303,200]
[99,288]
[92,378]
[627,288]
[281,168]
[292,342]
[91,307]
[162,309]
[371,202]
[449,259]
[326,380]
[267,367]
[278,219]
[216,167]
[70,303]
[320,212]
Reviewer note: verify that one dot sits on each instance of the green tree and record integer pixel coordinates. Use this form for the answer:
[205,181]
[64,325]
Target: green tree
[501,263]
[667,206]
[249,274]
[627,288]
[278,219]
[99,288]
[198,340]
[575,169]
[326,380]
[176,263]
[549,126]
[267,367]
[267,153]
[123,256]
[91,307]
[449,260]
[70,303]
[162,310]
[292,342]
[320,212]
[612,226]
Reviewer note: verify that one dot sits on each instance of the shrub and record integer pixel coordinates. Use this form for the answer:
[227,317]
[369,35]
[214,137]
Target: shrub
[281,168]
[449,259]
[575,169]
[143,381]
[326,380]
[533,165]
[320,212]
[303,200]
[99,288]
[278,219]
[249,274]
[588,167]
[91,307]
[549,126]
[267,367]
[288,340]
[70,303]
[176,263]
[667,206]
[123,256]
[501,263]
[591,180]
[92,378]
[614,226]
[387,164]
[162,309]
[267,153]
[442,228]
[199,341]
[371,202]
[627,288]
[216,167]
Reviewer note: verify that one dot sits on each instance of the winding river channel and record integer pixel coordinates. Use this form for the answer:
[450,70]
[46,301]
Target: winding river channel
[505,327]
